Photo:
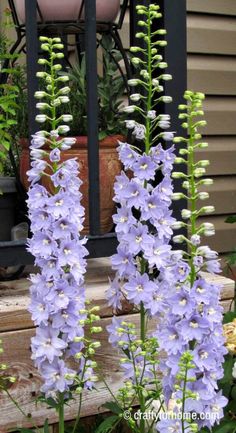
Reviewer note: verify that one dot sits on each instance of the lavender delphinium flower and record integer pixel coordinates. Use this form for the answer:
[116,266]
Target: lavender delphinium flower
[193,318]
[58,305]
[143,222]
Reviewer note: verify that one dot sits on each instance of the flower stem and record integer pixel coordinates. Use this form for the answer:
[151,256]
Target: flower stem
[142,336]
[192,197]
[149,96]
[61,414]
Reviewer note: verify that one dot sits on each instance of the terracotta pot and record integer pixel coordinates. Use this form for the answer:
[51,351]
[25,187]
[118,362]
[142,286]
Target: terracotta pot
[68,10]
[110,167]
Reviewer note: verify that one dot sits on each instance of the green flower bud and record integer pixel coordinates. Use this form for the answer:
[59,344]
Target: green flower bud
[42,61]
[45,47]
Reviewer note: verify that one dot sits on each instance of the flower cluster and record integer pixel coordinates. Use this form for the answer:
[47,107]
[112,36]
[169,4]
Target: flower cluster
[193,317]
[143,221]
[143,193]
[57,291]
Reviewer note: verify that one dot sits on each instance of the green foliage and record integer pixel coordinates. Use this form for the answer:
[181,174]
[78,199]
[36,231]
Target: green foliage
[231,219]
[229,317]
[112,407]
[111,88]
[108,424]
[8,99]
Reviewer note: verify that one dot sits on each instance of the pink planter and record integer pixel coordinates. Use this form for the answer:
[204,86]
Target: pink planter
[68,10]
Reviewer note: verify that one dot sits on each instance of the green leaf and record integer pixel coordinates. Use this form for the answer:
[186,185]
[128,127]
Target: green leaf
[229,317]
[102,135]
[113,407]
[228,369]
[231,219]
[46,426]
[225,427]
[107,425]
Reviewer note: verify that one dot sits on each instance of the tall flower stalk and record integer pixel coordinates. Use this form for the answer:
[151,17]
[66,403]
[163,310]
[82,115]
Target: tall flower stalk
[143,223]
[193,318]
[58,304]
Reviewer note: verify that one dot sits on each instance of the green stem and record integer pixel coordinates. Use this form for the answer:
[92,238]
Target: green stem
[193,199]
[20,409]
[142,336]
[184,399]
[61,414]
[80,401]
[149,96]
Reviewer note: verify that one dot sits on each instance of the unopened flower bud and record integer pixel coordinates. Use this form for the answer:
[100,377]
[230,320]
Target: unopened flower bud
[67,117]
[64,90]
[162,65]
[136,61]
[207,182]
[203,163]
[45,47]
[203,195]
[39,94]
[177,225]
[178,175]
[135,97]
[186,184]
[186,213]
[166,77]
[59,55]
[63,129]
[202,145]
[207,209]
[177,196]
[40,74]
[133,82]
[199,171]
[179,239]
[58,46]
[166,99]
[41,118]
[129,109]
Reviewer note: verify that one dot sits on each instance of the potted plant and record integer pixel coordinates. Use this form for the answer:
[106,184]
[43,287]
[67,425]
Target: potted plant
[8,106]
[111,87]
[69,10]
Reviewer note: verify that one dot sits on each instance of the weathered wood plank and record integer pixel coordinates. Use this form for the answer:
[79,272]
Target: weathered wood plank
[224,7]
[211,34]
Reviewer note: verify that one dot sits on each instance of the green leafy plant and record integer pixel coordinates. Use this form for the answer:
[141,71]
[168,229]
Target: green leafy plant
[111,88]
[9,91]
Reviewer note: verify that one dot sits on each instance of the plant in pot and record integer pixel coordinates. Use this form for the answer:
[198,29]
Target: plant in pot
[8,108]
[111,87]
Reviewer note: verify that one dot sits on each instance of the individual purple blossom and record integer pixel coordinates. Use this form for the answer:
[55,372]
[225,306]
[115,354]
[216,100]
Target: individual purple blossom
[144,168]
[139,288]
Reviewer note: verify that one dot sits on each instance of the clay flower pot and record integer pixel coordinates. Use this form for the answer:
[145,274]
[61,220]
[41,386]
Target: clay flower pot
[68,10]
[109,165]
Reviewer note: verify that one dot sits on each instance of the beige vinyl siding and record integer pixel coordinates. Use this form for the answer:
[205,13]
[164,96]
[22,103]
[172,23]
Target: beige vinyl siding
[212,69]
[223,7]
